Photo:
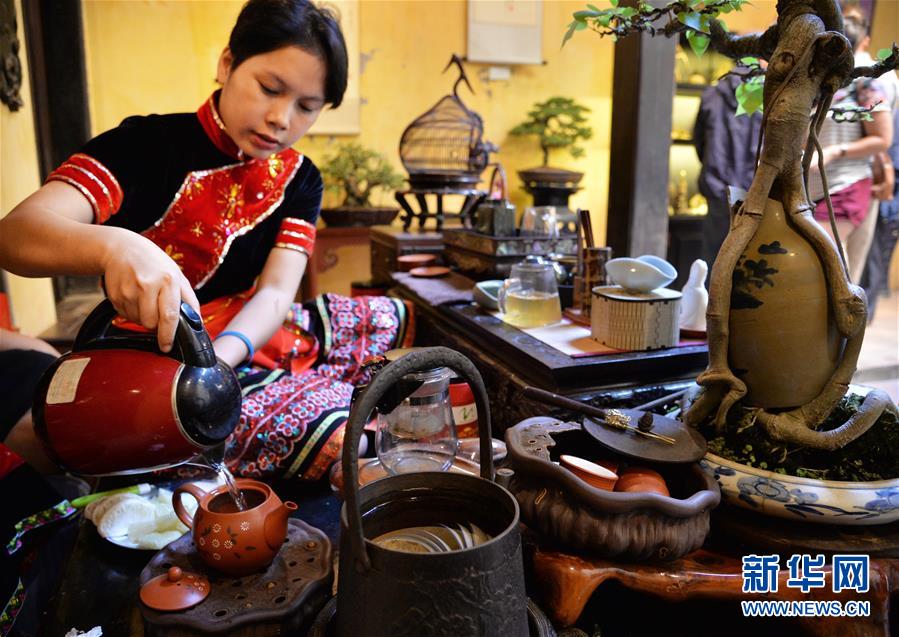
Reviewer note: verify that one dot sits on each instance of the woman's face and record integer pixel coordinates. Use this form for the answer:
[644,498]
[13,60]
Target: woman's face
[270,100]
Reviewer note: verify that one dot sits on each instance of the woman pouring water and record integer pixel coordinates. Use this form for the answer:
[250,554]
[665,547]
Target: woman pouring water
[216,209]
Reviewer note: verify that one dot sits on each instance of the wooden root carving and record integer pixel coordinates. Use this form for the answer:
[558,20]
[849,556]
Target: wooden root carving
[810,61]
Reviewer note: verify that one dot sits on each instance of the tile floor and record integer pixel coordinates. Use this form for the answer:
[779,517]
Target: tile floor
[878,363]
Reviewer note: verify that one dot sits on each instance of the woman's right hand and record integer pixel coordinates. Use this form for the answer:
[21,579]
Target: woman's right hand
[146,286]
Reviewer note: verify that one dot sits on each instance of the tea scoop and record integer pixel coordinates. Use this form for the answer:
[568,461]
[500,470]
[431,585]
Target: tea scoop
[174,590]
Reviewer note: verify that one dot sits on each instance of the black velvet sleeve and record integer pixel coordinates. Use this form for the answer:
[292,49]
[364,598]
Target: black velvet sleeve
[135,153]
[303,199]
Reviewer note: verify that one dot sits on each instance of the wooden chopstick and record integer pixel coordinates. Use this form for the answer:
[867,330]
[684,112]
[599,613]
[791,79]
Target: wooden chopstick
[661,401]
[587,225]
[580,244]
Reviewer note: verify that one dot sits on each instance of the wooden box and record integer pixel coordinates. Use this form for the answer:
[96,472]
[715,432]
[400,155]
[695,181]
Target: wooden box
[635,321]
[484,256]
[388,243]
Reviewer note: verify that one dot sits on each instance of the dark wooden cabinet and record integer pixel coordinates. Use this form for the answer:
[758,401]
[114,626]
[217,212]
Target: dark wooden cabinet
[388,243]
[684,245]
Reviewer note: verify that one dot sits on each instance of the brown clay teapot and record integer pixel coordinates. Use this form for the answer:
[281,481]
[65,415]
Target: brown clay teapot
[232,541]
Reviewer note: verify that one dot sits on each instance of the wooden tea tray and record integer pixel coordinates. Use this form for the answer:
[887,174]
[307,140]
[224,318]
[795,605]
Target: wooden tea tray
[278,601]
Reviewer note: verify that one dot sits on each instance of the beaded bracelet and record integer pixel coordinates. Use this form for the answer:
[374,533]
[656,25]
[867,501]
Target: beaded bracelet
[243,337]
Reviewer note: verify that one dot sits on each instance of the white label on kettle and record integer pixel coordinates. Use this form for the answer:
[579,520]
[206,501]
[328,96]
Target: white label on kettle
[65,381]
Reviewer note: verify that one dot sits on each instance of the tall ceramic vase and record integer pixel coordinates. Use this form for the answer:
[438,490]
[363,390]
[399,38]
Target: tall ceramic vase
[783,338]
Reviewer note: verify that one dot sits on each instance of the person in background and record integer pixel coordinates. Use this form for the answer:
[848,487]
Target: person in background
[23,359]
[885,189]
[726,145]
[848,149]
[217,210]
[29,573]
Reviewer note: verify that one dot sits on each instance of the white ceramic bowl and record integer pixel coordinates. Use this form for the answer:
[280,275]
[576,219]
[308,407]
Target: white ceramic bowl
[486,293]
[804,499]
[643,274]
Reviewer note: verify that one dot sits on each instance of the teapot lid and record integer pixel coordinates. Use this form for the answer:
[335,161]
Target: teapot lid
[535,262]
[174,590]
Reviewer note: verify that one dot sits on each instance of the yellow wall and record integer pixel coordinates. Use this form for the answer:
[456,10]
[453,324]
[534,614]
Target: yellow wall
[885,26]
[33,306]
[404,44]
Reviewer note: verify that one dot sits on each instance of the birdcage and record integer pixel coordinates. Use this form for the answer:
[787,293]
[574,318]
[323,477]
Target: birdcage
[444,148]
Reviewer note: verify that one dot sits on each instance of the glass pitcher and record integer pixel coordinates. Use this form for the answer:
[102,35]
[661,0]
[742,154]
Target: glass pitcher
[530,296]
[419,434]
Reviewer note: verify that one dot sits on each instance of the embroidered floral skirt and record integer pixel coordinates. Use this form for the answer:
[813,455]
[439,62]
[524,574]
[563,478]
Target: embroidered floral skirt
[292,422]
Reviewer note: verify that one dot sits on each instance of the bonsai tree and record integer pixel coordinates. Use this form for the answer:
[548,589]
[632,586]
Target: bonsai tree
[809,59]
[558,122]
[356,171]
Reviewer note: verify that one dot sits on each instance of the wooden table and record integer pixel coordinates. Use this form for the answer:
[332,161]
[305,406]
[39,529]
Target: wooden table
[697,595]
[100,580]
[510,360]
[567,582]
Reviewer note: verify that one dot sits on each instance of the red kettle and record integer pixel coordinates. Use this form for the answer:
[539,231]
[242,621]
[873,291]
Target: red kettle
[115,404]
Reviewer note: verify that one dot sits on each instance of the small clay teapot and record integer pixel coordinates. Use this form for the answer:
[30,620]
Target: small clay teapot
[233,541]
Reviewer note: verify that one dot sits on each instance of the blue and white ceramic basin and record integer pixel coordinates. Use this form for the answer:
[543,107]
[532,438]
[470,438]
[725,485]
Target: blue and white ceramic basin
[804,499]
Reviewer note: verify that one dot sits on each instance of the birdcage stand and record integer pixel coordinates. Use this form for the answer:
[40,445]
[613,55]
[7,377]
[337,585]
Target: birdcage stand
[473,196]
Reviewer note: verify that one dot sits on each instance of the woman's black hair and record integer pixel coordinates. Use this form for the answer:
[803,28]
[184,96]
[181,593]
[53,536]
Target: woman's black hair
[268,25]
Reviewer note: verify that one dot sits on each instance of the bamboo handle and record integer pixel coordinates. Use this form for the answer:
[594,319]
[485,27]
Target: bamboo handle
[550,398]
[589,410]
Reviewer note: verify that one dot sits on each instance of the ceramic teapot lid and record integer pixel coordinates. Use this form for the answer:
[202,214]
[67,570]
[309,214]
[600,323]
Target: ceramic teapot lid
[534,263]
[174,590]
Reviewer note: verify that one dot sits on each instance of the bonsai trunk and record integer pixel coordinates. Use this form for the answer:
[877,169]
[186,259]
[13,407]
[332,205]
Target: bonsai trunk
[809,59]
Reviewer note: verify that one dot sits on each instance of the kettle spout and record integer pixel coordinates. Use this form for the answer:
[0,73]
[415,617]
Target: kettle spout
[276,525]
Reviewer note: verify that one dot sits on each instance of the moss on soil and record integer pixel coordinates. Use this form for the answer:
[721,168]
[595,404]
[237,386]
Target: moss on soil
[872,456]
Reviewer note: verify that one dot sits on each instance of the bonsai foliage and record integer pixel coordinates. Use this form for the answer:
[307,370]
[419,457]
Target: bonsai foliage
[357,171]
[559,122]
[809,59]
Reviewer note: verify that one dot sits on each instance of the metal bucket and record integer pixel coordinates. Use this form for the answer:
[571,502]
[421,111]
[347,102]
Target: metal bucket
[387,593]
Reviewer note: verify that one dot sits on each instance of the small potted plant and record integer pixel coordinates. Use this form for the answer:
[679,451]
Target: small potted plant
[558,123]
[356,171]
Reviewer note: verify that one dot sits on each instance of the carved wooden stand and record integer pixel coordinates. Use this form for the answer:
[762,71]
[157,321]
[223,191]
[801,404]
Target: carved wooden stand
[472,197]
[567,582]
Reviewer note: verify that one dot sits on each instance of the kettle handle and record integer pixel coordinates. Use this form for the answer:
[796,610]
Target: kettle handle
[498,174]
[415,361]
[191,337]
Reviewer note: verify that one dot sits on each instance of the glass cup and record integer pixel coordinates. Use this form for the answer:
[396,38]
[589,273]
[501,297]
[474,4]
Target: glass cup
[530,297]
[539,221]
[419,434]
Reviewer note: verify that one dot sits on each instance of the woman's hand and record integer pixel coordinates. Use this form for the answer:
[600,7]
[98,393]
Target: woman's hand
[829,153]
[52,233]
[884,177]
[146,286]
